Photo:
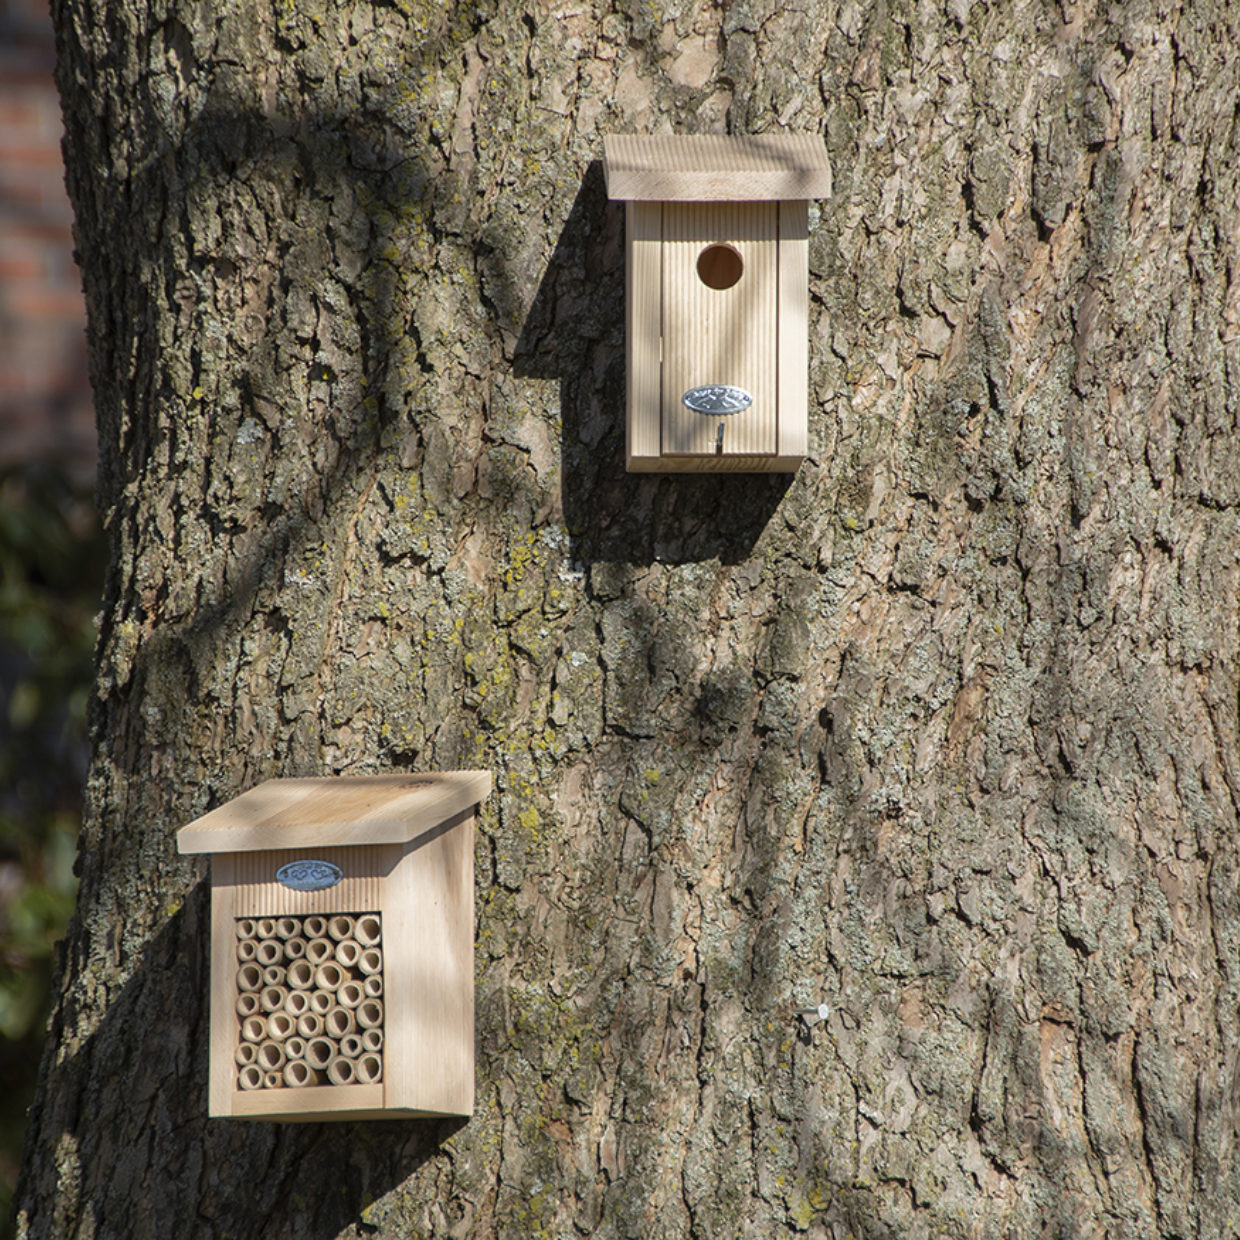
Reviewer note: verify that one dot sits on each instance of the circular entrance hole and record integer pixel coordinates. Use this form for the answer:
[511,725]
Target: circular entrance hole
[720,266]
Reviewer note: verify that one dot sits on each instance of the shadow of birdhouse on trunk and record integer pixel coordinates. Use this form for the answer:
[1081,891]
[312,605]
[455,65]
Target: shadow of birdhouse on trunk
[574,332]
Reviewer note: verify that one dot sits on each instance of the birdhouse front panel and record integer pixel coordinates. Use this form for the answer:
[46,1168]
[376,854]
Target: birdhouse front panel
[304,1009]
[342,973]
[716,298]
[720,277]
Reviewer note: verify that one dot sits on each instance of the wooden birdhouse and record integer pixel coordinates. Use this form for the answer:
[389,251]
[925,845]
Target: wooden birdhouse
[342,966]
[717,292]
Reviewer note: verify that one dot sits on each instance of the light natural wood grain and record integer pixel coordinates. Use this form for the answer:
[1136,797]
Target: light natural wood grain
[711,168]
[685,194]
[361,809]
[423,890]
[258,893]
[430,974]
[223,983]
[643,326]
[793,363]
[720,335]
[312,1102]
[716,464]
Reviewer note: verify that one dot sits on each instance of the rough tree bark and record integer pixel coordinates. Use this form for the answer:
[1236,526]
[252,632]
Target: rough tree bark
[941,732]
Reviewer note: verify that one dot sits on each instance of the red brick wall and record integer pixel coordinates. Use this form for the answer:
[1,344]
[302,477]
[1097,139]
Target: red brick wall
[45,400]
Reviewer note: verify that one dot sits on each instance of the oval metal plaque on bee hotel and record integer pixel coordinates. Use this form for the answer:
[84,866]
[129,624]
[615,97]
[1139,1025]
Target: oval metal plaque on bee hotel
[716,399]
[309,875]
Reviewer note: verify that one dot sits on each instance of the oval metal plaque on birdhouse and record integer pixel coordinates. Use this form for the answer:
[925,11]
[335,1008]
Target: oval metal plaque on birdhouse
[717,398]
[309,875]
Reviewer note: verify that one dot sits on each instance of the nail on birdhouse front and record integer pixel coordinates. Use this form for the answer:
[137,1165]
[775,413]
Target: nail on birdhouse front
[342,976]
[717,297]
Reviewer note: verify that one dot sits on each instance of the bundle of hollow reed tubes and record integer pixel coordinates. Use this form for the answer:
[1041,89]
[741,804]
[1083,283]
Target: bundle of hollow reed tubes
[310,1000]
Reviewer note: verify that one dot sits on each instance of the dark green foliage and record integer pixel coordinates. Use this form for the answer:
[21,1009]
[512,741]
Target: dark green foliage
[51,559]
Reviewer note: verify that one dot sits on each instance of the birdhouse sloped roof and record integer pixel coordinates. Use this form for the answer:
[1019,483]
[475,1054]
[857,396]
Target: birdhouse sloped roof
[715,168]
[334,810]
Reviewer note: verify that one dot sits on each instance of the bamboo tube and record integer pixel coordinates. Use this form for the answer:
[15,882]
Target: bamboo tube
[322,1002]
[372,1039]
[286,927]
[315,927]
[273,975]
[347,953]
[273,998]
[350,1046]
[296,1073]
[246,1053]
[249,977]
[350,995]
[369,1068]
[247,1003]
[373,986]
[310,1025]
[265,927]
[246,950]
[300,975]
[295,947]
[279,1026]
[245,927]
[340,927]
[295,1048]
[340,1071]
[339,1022]
[271,1056]
[328,976]
[250,1077]
[254,1029]
[368,930]
[370,961]
[273,1080]
[318,951]
[270,951]
[297,1004]
[319,1053]
[370,1014]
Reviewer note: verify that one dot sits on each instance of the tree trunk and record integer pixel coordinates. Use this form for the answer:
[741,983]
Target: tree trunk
[940,733]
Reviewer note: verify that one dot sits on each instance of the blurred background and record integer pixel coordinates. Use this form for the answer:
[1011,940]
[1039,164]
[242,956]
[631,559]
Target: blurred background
[51,557]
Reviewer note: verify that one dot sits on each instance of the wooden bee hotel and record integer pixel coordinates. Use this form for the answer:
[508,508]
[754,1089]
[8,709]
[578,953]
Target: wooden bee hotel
[717,297]
[342,921]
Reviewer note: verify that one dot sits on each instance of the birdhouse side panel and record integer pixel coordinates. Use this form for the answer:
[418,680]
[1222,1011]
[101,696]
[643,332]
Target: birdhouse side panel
[431,958]
[224,991]
[643,245]
[720,329]
[793,328]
